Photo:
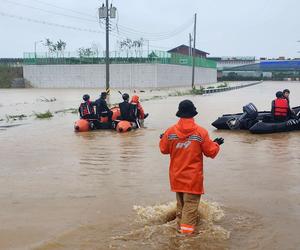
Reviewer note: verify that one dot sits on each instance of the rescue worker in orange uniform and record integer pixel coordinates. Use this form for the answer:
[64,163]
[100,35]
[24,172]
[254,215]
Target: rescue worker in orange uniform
[186,143]
[280,108]
[139,111]
[86,109]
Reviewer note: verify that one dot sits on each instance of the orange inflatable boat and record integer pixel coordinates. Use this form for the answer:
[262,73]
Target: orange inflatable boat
[83,125]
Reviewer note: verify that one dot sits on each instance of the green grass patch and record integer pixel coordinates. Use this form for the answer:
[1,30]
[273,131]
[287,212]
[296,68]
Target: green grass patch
[15,117]
[210,87]
[196,91]
[45,115]
[223,85]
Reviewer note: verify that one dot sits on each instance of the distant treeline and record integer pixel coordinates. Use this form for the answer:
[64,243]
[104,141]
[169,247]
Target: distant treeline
[8,74]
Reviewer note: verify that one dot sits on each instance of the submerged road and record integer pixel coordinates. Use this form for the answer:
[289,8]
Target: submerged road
[100,190]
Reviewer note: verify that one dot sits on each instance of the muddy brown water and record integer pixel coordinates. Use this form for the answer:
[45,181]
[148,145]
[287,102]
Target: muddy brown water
[104,190]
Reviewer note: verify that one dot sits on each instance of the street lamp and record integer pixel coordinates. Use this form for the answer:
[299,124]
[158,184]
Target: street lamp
[35,43]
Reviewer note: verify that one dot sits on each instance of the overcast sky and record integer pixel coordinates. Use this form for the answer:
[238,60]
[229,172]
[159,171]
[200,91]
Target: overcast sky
[261,28]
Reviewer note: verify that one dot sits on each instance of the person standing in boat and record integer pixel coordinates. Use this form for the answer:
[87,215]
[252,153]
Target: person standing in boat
[102,110]
[86,109]
[280,108]
[186,143]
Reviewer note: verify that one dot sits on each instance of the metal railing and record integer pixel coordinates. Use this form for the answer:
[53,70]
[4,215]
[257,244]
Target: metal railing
[216,89]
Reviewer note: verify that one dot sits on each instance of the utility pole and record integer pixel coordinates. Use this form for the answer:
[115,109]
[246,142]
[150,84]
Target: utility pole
[190,43]
[106,12]
[193,70]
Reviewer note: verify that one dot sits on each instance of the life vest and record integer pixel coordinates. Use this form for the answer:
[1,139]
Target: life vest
[140,111]
[281,107]
[86,109]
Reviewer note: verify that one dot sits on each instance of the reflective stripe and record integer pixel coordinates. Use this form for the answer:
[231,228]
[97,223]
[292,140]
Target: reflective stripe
[190,138]
[172,137]
[184,228]
[195,138]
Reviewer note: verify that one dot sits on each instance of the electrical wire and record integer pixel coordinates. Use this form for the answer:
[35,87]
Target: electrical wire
[62,8]
[127,31]
[120,32]
[49,11]
[50,23]
[164,34]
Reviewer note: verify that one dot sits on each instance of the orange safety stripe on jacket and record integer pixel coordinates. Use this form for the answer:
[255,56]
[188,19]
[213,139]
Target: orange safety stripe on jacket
[281,107]
[187,142]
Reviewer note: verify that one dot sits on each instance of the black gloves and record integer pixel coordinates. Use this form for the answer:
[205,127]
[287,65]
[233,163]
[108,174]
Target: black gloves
[219,140]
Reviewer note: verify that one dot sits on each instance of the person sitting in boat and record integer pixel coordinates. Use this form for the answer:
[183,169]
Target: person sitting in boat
[126,109]
[137,107]
[286,95]
[102,110]
[86,109]
[280,108]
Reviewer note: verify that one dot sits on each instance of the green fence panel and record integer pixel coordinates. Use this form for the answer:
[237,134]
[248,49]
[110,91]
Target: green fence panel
[160,57]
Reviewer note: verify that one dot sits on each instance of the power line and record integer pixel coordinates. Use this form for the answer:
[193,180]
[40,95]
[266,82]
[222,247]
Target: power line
[122,31]
[49,11]
[127,31]
[50,23]
[163,34]
[62,8]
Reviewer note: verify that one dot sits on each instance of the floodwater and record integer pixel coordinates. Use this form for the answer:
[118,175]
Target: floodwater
[104,190]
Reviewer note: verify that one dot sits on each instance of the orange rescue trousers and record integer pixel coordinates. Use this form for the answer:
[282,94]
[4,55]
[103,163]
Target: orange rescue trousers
[187,211]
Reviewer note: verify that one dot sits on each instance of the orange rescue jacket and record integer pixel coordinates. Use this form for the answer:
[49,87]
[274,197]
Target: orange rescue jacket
[135,101]
[187,142]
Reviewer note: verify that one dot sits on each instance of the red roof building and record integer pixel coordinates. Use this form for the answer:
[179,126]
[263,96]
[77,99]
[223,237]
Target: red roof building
[186,50]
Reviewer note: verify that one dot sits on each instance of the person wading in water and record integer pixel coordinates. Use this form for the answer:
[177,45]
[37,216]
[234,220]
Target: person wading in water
[186,143]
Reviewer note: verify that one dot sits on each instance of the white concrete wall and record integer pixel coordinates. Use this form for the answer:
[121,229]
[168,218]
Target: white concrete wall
[169,75]
[121,75]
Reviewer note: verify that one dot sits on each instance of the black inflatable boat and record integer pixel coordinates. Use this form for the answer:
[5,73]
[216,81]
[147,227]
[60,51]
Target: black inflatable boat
[256,122]
[275,127]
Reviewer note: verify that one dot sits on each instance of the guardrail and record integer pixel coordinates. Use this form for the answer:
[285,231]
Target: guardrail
[216,89]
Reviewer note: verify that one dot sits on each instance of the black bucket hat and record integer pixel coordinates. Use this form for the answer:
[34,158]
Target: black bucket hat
[186,109]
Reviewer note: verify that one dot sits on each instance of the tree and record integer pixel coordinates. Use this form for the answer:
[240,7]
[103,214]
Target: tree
[85,52]
[128,44]
[59,46]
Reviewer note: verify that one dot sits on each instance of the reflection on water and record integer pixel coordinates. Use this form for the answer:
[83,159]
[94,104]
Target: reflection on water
[66,190]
